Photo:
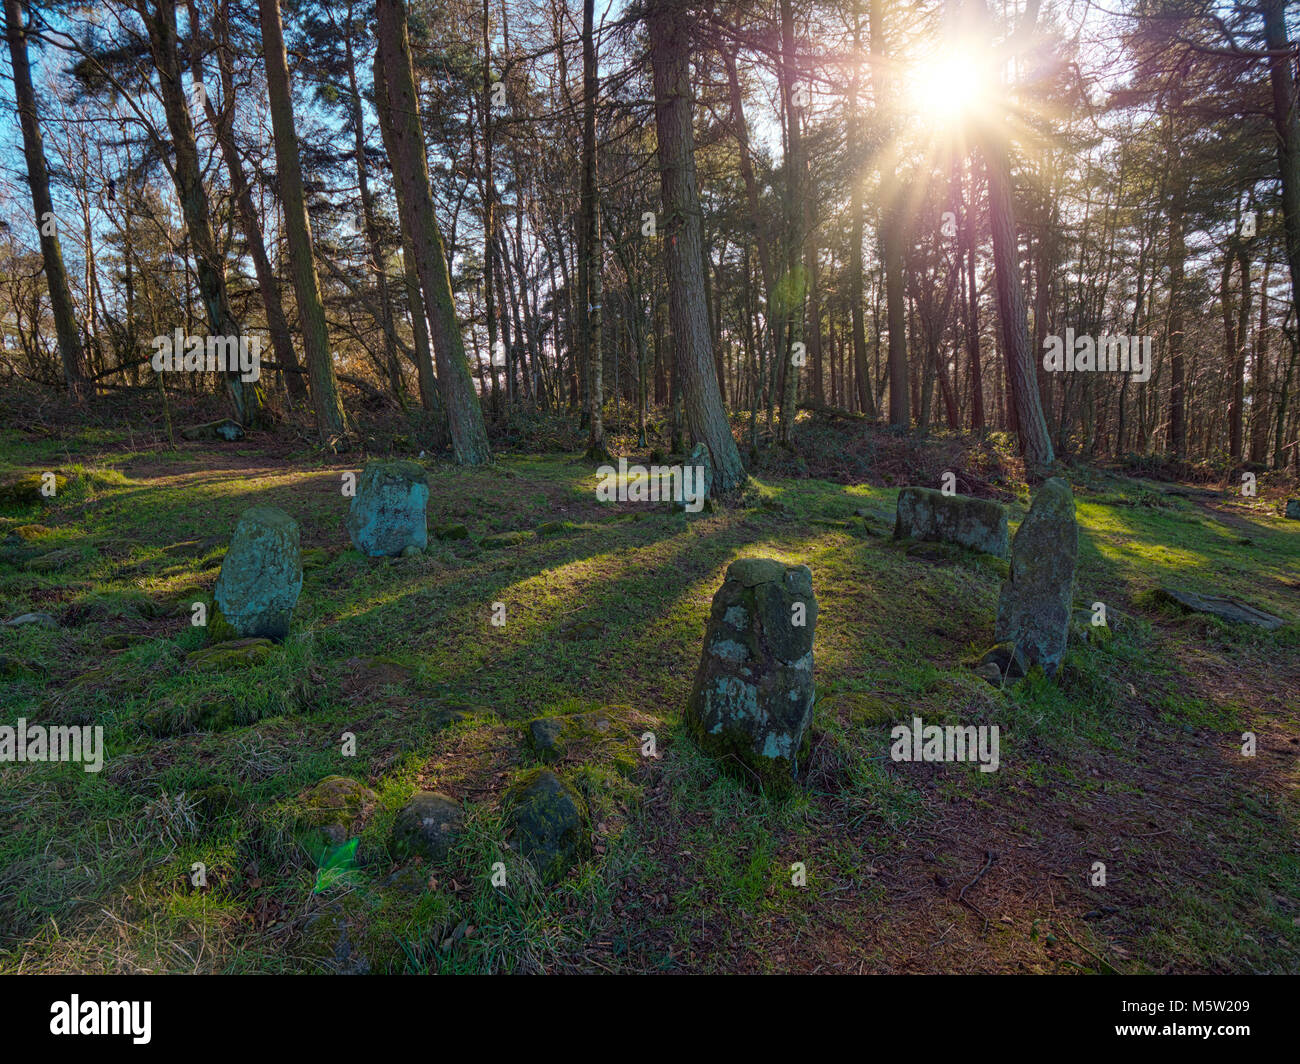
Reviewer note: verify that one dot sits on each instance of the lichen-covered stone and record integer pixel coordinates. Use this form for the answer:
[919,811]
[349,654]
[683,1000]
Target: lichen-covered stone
[548,821]
[426,826]
[260,578]
[387,513]
[753,695]
[1035,604]
[980,524]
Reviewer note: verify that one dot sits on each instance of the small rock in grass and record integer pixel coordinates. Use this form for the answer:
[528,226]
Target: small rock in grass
[426,826]
[548,818]
[42,619]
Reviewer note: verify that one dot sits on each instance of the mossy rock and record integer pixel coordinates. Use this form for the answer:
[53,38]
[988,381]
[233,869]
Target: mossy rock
[235,654]
[556,528]
[504,539]
[55,560]
[29,532]
[426,826]
[608,736]
[864,708]
[330,812]
[1082,630]
[1001,663]
[451,531]
[14,668]
[548,819]
[26,489]
[219,629]
[374,928]
[216,801]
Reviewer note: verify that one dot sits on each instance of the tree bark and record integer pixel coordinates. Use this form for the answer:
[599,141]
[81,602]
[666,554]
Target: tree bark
[159,18]
[670,32]
[415,203]
[38,177]
[330,423]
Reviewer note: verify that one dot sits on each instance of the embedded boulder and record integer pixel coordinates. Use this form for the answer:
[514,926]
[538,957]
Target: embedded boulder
[1225,607]
[329,813]
[387,514]
[426,826]
[1035,605]
[926,514]
[753,695]
[260,578]
[548,821]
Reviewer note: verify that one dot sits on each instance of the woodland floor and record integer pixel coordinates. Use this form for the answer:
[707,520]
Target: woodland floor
[1132,758]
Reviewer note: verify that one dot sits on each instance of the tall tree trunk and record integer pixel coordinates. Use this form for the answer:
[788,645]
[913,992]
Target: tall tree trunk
[794,284]
[756,219]
[159,18]
[223,125]
[1177,263]
[415,203]
[38,177]
[330,423]
[430,397]
[891,238]
[371,227]
[1022,375]
[670,35]
[1237,413]
[857,208]
[590,280]
[1286,123]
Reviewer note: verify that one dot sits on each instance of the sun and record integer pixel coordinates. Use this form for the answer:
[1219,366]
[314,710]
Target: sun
[949,85]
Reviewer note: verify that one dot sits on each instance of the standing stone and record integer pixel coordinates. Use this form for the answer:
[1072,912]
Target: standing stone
[388,511]
[753,695]
[926,514]
[260,578]
[1293,509]
[1034,607]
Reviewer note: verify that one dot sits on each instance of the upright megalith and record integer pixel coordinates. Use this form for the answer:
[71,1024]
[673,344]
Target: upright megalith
[926,514]
[1034,608]
[260,578]
[388,511]
[753,696]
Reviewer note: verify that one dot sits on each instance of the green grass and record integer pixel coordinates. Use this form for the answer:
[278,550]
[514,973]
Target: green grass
[603,608]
